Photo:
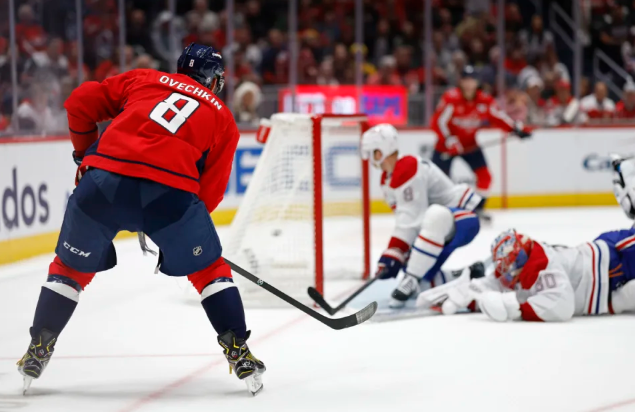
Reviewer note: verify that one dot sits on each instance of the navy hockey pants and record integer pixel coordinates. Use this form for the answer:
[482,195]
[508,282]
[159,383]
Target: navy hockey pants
[105,203]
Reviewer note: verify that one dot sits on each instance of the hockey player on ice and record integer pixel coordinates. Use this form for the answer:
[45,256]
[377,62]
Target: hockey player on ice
[434,216]
[533,281]
[160,167]
[537,282]
[460,114]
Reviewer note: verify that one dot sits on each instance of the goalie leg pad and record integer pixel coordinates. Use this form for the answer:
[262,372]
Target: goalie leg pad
[444,230]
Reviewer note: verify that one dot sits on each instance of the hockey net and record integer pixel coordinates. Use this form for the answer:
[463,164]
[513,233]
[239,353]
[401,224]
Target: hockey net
[304,219]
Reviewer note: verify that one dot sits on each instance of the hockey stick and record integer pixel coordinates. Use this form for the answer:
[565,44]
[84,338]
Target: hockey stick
[319,299]
[339,323]
[491,143]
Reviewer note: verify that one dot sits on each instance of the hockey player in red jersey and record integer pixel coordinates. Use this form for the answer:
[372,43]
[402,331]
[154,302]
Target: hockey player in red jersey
[159,168]
[460,114]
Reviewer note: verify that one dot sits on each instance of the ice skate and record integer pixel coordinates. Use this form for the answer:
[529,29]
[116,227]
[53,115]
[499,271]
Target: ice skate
[247,367]
[37,357]
[408,288]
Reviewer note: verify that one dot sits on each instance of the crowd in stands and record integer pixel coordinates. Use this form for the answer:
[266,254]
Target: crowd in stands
[538,86]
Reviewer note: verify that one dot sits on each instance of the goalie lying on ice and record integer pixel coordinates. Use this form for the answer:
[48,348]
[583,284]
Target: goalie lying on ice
[533,281]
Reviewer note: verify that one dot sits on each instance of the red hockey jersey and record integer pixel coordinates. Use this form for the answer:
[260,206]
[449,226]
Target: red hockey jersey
[166,128]
[457,116]
[623,112]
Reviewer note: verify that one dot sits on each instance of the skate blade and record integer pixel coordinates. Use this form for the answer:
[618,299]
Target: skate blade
[27,384]
[254,384]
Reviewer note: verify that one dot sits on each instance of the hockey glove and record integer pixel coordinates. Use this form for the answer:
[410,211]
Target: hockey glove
[78,158]
[454,146]
[390,263]
[521,131]
[500,307]
[624,184]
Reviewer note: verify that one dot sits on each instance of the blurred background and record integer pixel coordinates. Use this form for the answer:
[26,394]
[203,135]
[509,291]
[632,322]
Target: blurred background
[547,63]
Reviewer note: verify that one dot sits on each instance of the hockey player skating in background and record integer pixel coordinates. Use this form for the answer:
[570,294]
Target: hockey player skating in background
[433,215]
[537,282]
[160,167]
[460,114]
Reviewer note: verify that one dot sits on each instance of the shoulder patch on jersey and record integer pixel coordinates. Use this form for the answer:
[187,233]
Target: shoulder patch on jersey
[405,169]
[536,263]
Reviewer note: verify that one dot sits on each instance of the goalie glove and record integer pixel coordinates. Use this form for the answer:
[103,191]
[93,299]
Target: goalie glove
[624,183]
[498,306]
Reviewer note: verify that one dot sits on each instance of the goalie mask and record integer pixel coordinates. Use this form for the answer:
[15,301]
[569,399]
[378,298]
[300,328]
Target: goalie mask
[383,138]
[510,252]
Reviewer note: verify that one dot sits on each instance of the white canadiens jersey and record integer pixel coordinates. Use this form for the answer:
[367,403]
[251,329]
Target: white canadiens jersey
[414,185]
[560,282]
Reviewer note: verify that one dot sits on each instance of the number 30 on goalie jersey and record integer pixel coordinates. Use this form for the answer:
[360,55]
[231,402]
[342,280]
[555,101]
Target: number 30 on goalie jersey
[166,127]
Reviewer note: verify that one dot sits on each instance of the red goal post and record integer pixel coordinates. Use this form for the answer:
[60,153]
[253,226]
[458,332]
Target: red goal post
[318,120]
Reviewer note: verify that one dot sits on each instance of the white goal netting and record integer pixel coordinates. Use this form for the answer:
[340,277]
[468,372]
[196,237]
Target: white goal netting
[274,234]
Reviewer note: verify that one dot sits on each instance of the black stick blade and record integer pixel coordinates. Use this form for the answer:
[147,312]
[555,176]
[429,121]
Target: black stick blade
[319,299]
[354,319]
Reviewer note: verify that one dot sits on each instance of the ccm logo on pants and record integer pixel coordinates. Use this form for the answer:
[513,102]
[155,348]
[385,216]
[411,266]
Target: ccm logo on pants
[76,251]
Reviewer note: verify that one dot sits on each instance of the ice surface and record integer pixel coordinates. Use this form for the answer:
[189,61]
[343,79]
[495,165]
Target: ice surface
[138,342]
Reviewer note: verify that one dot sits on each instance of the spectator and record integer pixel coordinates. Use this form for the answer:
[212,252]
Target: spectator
[270,55]
[531,70]
[613,33]
[138,32]
[536,40]
[247,98]
[515,61]
[47,67]
[387,73]
[343,64]
[5,64]
[29,34]
[598,105]
[444,56]
[562,108]
[207,17]
[34,114]
[243,43]
[535,102]
[454,69]
[625,108]
[326,76]
[144,61]
[111,67]
[628,54]
[73,61]
[477,54]
[554,68]
[384,42]
[256,19]
[515,104]
[160,36]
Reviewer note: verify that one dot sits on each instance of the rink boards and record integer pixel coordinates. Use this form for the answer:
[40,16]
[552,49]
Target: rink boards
[556,167]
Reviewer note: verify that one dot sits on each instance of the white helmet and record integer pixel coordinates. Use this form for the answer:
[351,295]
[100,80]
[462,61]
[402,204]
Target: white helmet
[382,137]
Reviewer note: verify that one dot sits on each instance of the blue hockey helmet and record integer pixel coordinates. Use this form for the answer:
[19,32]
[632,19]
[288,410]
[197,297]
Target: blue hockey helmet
[203,64]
